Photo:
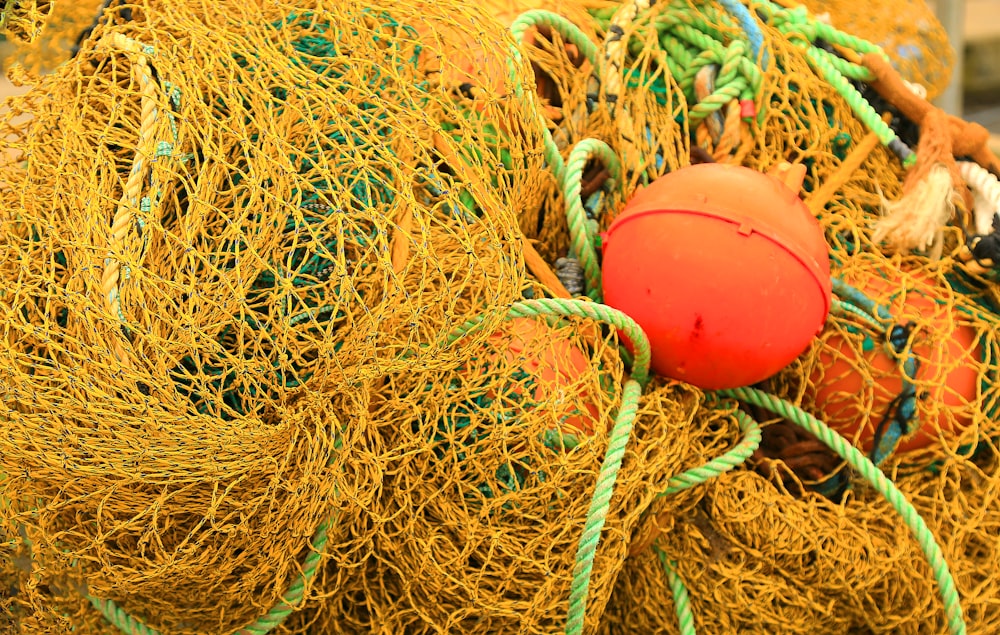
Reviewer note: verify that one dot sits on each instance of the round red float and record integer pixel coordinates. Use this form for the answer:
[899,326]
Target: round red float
[948,349]
[725,270]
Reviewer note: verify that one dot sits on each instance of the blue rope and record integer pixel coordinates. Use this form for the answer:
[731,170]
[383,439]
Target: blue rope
[736,9]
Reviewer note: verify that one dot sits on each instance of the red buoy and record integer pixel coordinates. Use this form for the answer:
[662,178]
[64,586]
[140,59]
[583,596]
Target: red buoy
[726,271]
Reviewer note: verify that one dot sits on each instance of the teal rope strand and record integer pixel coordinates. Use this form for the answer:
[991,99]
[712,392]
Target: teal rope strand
[863,466]
[735,457]
[682,602]
[581,239]
[599,507]
[839,307]
[292,598]
[859,299]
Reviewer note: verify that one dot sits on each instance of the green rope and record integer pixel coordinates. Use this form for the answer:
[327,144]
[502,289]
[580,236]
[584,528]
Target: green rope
[692,42]
[567,30]
[599,506]
[620,433]
[682,603]
[832,35]
[862,109]
[860,463]
[846,308]
[803,31]
[582,240]
[735,457]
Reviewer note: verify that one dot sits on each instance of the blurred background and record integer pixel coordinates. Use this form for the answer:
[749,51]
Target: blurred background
[973,28]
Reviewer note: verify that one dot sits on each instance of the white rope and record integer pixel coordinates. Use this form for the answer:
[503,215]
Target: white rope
[985,195]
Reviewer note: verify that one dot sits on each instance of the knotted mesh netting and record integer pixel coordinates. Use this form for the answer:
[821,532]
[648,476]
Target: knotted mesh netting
[302,328]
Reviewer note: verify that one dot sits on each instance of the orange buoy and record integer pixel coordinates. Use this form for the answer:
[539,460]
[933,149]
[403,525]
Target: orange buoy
[725,270]
[949,352]
[554,364]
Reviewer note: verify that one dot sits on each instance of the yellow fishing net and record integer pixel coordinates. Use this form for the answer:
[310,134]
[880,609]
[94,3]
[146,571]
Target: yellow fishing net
[23,20]
[56,33]
[491,466]
[644,123]
[783,558]
[272,360]
[799,545]
[223,222]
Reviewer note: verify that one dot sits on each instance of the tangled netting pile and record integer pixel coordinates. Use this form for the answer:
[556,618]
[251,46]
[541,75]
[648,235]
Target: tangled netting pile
[293,338]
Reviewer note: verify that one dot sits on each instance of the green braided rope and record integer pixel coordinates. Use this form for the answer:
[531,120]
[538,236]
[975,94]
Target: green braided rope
[696,62]
[684,32]
[692,43]
[845,40]
[581,238]
[863,466]
[579,308]
[716,101]
[679,57]
[735,457]
[566,29]
[862,109]
[704,20]
[599,506]
[690,46]
[735,53]
[291,599]
[803,30]
[682,603]
[846,308]
[846,68]
[620,433]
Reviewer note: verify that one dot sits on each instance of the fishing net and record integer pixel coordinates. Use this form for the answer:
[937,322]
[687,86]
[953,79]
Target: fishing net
[22,21]
[222,223]
[56,34]
[788,547]
[492,469]
[641,120]
[799,542]
[269,342]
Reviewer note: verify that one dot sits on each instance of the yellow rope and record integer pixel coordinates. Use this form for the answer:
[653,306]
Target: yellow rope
[141,164]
